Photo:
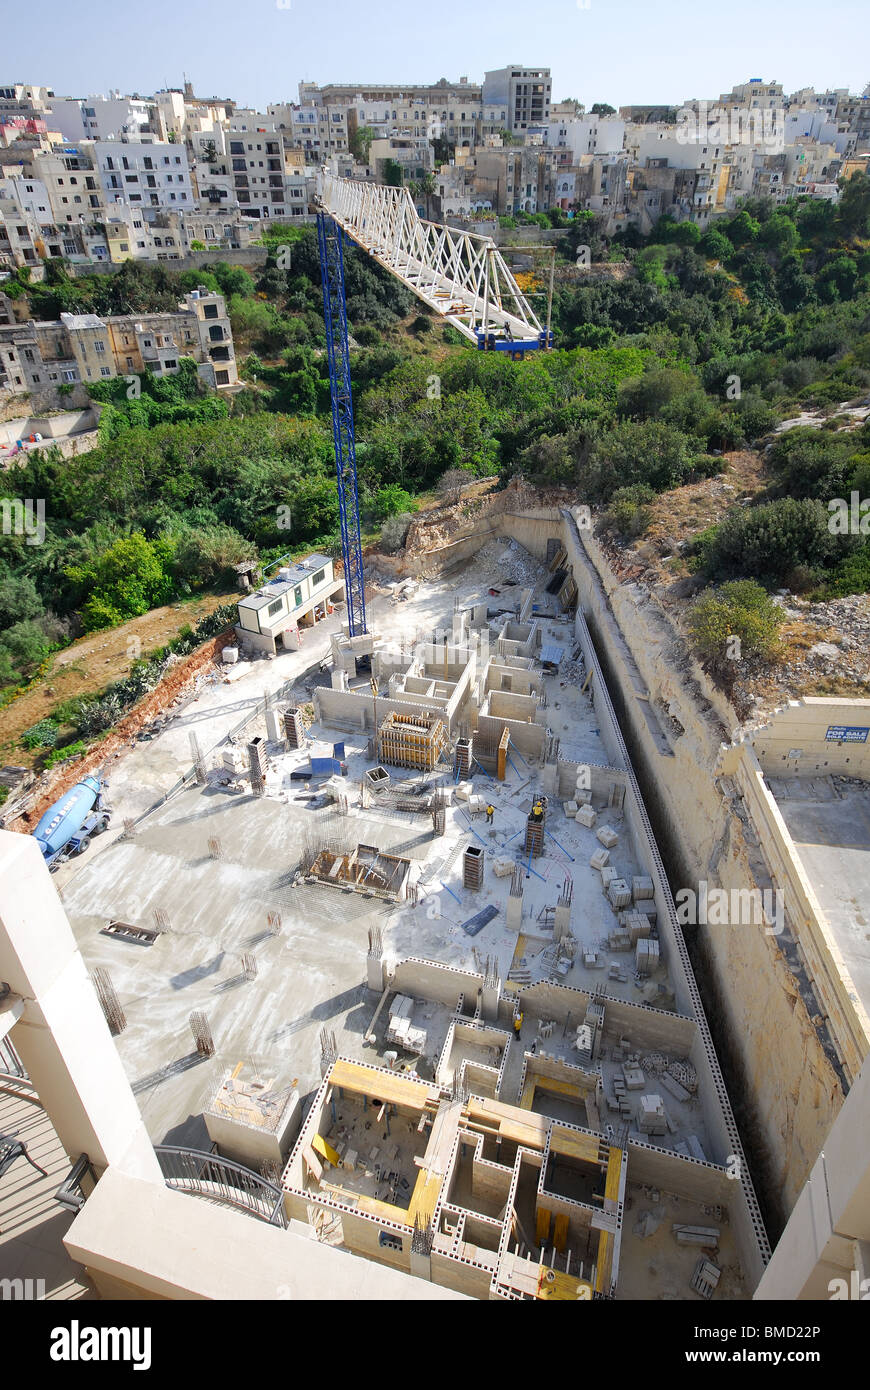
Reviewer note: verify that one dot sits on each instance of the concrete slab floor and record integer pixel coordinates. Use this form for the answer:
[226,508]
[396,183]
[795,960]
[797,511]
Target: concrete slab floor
[831,832]
[655,1266]
[313,974]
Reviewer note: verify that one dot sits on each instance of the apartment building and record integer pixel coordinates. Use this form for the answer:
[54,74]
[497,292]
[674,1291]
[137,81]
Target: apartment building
[101,118]
[516,179]
[580,135]
[59,178]
[144,174]
[412,153]
[84,348]
[525,92]
[267,182]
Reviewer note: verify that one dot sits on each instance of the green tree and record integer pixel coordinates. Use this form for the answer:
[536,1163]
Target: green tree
[127,579]
[390,501]
[737,622]
[361,142]
[19,600]
[773,540]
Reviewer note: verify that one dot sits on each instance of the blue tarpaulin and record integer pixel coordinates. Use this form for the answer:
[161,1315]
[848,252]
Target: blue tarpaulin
[477,923]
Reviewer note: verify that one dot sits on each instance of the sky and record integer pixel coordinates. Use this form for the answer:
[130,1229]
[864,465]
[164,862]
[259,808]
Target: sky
[256,51]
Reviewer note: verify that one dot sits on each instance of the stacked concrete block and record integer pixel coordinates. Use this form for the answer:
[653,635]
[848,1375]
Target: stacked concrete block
[463,790]
[586,816]
[608,874]
[570,809]
[647,907]
[637,924]
[607,836]
[646,955]
[651,1117]
[502,867]
[619,893]
[641,888]
[599,859]
[582,798]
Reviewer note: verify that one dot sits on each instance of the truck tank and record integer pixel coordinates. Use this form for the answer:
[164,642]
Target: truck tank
[65,817]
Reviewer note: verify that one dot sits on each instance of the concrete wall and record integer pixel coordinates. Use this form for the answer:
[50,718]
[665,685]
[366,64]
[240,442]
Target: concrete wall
[828,1232]
[251,257]
[49,426]
[147,1239]
[838,998]
[793,743]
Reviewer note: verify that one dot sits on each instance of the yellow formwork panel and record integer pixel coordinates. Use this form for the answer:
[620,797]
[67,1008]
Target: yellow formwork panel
[542,1225]
[560,1230]
[385,1085]
[325,1150]
[583,1146]
[552,1085]
[422,1205]
[554,1284]
[604,1262]
[614,1169]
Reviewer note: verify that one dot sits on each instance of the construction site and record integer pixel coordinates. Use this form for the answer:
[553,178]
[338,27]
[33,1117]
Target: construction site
[403,945]
[377,944]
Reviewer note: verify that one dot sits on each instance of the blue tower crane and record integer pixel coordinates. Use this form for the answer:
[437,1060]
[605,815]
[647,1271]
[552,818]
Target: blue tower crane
[329,237]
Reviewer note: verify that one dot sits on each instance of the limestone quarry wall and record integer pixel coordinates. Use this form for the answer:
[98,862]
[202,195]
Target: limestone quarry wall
[785,1091]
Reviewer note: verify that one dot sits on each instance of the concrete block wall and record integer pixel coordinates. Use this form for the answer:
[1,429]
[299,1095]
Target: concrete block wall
[793,741]
[686,1177]
[428,979]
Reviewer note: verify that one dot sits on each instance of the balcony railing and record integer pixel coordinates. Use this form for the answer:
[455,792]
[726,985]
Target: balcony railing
[220,1180]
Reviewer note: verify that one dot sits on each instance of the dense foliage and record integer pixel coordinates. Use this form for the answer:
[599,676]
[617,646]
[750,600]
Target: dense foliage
[705,343]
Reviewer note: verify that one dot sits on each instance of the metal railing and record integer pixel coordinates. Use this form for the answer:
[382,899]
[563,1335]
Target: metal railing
[220,1180]
[11,1064]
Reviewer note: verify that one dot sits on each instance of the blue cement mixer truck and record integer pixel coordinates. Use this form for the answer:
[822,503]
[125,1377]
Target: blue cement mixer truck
[68,826]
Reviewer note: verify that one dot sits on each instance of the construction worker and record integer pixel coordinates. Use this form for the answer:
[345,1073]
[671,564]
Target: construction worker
[518,1023]
[538,811]
[490,812]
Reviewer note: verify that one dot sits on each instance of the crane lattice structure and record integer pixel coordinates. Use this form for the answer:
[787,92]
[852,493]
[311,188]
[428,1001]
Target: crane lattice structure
[460,275]
[335,316]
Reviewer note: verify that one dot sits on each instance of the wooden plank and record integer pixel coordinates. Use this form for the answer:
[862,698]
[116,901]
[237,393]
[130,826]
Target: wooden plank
[583,1146]
[382,1085]
[422,1205]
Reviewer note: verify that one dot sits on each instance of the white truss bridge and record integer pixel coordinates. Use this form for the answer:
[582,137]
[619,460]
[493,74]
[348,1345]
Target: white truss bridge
[460,275]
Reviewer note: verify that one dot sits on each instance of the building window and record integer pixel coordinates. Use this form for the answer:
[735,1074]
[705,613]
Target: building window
[318,578]
[275,607]
[99,345]
[105,371]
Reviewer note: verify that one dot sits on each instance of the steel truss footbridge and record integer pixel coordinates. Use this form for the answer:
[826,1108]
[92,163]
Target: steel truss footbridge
[461,275]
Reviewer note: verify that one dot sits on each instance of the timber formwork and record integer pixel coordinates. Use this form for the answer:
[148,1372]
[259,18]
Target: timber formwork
[415,741]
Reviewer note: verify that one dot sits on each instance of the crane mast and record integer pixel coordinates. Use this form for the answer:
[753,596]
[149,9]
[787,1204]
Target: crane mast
[329,236]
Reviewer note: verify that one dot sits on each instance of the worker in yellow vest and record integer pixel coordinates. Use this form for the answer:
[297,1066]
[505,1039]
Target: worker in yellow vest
[518,1023]
[490,812]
